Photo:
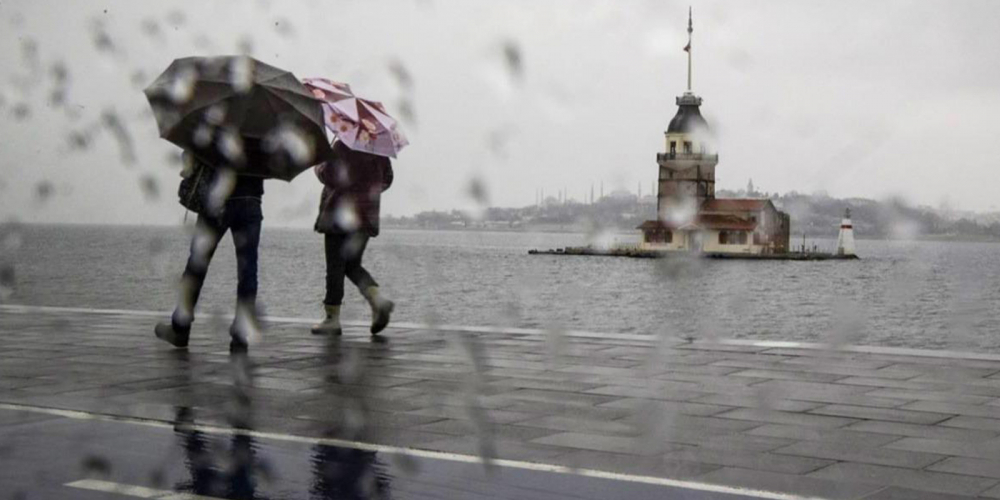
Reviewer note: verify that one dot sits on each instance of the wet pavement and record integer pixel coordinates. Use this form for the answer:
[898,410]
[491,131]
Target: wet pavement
[57,457]
[90,401]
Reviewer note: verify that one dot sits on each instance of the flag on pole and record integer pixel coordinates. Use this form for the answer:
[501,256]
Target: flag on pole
[687,48]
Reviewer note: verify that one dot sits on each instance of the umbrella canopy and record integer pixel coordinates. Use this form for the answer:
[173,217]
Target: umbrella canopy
[361,124]
[239,112]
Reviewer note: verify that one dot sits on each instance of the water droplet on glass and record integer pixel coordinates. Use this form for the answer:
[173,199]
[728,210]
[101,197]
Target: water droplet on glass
[176,18]
[29,52]
[203,135]
[225,182]
[150,187]
[182,85]
[230,144]
[102,40]
[513,58]
[44,190]
[346,216]
[7,280]
[407,111]
[478,192]
[241,73]
[245,45]
[113,122]
[291,140]
[96,466]
[284,28]
[401,74]
[21,111]
[151,28]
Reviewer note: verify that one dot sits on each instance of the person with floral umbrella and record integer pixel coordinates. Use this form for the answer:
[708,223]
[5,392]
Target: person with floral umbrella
[354,176]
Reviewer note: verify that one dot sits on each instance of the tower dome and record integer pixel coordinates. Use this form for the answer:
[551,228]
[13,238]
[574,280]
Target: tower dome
[688,118]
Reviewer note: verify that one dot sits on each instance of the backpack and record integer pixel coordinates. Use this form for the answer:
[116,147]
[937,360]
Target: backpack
[194,189]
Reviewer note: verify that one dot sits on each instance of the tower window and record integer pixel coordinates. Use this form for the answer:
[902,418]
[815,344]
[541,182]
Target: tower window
[687,147]
[673,148]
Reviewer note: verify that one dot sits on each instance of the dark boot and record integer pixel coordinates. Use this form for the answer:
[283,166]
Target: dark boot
[381,309]
[246,328]
[173,334]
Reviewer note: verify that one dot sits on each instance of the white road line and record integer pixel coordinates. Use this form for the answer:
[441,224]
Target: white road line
[770,344]
[134,491]
[413,452]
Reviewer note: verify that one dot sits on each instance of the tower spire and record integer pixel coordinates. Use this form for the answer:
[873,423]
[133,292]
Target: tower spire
[688,47]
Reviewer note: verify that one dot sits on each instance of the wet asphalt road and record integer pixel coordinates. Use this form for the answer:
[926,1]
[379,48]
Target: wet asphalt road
[52,457]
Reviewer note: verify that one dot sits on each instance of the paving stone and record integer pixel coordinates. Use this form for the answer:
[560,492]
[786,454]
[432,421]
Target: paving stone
[769,462]
[551,408]
[989,424]
[793,388]
[613,444]
[846,436]
[563,397]
[988,449]
[804,376]
[555,385]
[666,408]
[781,417]
[955,409]
[851,365]
[828,489]
[991,493]
[889,414]
[589,426]
[850,452]
[743,442]
[923,431]
[655,466]
[696,425]
[697,410]
[495,448]
[949,397]
[897,493]
[969,467]
[503,431]
[648,393]
[464,412]
[908,478]
[768,403]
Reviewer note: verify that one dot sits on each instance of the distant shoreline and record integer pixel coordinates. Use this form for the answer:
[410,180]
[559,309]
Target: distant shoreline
[521,229]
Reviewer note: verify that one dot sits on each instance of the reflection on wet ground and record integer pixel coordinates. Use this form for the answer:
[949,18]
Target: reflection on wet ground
[95,395]
[55,457]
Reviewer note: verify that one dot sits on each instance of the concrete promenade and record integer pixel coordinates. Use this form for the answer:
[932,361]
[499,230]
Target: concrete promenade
[785,420]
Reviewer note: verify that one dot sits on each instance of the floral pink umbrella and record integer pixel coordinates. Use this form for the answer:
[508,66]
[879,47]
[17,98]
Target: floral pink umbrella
[361,124]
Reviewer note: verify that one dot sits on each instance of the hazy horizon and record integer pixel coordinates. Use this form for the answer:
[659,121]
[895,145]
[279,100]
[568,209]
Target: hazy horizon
[854,99]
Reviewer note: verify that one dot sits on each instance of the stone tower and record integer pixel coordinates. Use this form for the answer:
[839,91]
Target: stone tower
[687,167]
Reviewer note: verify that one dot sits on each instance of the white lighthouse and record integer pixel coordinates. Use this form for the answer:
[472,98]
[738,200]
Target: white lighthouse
[845,239]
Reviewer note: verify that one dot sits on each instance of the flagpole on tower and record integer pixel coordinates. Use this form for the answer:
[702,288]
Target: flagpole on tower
[688,48]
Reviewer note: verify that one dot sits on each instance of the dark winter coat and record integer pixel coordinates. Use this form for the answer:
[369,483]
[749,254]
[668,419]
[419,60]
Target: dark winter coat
[353,183]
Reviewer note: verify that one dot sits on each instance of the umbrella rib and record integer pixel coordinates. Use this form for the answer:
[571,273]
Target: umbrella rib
[295,103]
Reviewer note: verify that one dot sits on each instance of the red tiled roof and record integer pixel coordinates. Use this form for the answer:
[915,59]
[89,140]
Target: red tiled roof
[733,205]
[704,221]
[712,221]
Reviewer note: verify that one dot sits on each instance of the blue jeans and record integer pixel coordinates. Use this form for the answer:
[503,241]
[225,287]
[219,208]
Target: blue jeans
[243,217]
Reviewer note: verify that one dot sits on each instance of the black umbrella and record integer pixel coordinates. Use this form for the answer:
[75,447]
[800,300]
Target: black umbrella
[239,112]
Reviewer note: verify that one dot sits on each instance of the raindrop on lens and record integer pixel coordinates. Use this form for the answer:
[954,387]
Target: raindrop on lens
[44,190]
[150,188]
[182,85]
[241,74]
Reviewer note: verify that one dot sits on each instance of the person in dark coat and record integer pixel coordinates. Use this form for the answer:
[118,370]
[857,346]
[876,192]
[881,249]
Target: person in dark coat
[236,209]
[353,182]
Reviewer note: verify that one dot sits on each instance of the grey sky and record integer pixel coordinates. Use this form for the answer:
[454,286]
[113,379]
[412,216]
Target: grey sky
[854,98]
